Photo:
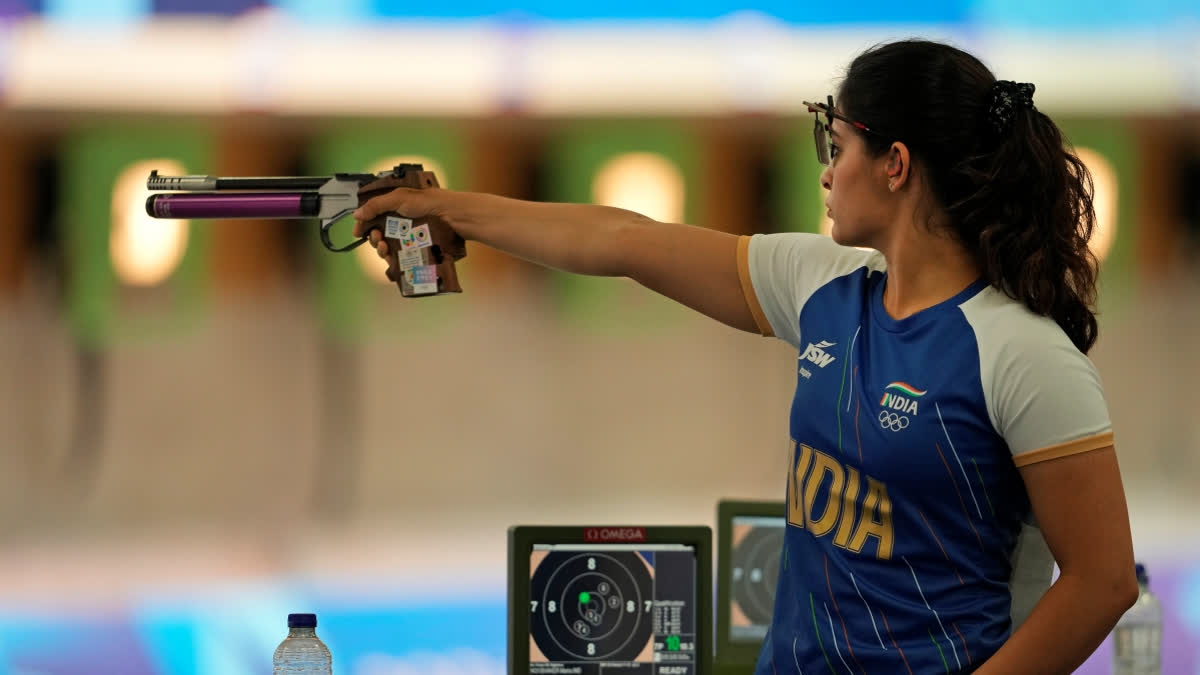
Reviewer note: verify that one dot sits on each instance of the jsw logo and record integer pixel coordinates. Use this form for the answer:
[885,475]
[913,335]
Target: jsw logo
[816,353]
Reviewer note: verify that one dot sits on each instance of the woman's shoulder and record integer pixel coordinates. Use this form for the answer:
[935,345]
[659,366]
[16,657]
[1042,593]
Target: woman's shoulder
[1013,339]
[1040,389]
[1007,325]
[817,250]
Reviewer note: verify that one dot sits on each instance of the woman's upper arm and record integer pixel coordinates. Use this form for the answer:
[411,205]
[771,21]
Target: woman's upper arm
[694,266]
[758,283]
[1047,402]
[1079,503]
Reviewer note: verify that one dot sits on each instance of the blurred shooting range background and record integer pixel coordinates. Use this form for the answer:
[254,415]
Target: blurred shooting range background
[206,425]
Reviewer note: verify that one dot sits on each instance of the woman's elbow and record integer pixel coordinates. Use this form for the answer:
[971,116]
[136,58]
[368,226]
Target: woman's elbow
[1110,593]
[1128,591]
[1122,587]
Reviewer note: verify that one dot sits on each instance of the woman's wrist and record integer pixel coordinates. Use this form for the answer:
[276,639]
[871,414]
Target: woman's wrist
[465,212]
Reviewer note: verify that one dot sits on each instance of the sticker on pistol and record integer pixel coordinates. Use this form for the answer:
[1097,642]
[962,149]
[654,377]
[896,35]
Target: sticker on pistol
[421,236]
[396,227]
[410,259]
[424,279]
[417,237]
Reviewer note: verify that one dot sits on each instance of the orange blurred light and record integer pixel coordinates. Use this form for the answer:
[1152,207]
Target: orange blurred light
[1104,200]
[144,250]
[644,183]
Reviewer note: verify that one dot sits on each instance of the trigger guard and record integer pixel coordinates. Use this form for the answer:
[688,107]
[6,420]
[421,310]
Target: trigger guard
[349,247]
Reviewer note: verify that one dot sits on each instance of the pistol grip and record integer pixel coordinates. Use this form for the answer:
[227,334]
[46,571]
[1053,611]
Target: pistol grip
[421,254]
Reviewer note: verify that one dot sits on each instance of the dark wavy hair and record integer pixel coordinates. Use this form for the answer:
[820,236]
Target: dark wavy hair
[1019,200]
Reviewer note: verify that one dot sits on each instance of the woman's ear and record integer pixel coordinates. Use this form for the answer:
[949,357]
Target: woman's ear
[899,165]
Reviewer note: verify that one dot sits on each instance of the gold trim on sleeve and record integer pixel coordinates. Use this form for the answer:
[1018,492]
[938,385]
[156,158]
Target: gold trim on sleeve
[743,264]
[1086,444]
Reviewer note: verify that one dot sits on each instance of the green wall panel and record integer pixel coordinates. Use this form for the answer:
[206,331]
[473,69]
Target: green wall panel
[799,200]
[1113,140]
[93,158]
[576,154]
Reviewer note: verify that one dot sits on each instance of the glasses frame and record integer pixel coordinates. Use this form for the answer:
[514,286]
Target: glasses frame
[821,130]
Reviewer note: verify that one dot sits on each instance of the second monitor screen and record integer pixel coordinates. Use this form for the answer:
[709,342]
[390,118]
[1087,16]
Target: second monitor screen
[757,544]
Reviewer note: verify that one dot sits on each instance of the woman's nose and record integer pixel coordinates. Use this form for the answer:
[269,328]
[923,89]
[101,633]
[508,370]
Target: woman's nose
[827,178]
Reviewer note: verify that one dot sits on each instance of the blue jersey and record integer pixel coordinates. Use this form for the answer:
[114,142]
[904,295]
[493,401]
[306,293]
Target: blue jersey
[910,546]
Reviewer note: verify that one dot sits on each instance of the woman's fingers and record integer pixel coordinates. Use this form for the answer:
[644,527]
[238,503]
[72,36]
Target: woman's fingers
[405,201]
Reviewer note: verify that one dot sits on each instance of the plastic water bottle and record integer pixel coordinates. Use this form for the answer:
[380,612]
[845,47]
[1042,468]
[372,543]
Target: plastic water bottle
[1137,639]
[302,652]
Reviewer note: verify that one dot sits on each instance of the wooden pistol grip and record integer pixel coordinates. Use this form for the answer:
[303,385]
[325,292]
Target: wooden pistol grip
[444,247]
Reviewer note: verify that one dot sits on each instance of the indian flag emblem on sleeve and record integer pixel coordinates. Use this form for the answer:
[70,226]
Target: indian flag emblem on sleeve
[901,396]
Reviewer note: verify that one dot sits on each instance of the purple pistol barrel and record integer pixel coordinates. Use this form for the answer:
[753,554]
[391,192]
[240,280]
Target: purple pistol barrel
[235,205]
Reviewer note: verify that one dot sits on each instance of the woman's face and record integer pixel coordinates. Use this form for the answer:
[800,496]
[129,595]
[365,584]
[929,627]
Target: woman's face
[858,200]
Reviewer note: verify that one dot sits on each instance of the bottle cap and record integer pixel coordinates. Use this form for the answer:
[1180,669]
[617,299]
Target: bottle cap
[1140,571]
[302,620]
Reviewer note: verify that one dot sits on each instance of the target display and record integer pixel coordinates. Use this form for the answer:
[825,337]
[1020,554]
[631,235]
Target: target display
[593,608]
[589,605]
[754,571]
[750,550]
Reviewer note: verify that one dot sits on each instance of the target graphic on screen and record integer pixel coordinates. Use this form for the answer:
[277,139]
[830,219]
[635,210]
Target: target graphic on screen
[591,606]
[754,573]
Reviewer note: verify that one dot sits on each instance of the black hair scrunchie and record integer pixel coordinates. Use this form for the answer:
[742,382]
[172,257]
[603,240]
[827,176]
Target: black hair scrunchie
[1006,97]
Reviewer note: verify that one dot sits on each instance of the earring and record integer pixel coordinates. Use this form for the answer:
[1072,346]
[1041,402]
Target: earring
[892,185]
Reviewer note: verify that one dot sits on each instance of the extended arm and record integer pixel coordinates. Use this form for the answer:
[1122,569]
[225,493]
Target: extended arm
[692,265]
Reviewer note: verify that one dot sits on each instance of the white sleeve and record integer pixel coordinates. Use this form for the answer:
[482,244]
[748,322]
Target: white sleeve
[1044,396]
[780,272]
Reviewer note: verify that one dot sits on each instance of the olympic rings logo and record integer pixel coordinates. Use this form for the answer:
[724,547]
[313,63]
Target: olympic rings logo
[890,420]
